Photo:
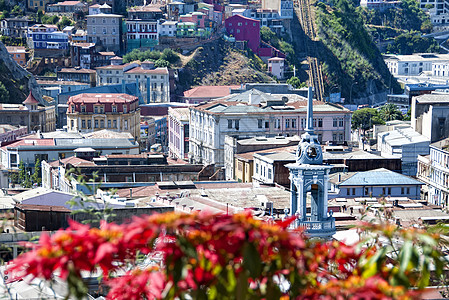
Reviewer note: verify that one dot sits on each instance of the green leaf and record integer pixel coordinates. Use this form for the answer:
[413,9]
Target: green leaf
[242,286]
[251,260]
[405,255]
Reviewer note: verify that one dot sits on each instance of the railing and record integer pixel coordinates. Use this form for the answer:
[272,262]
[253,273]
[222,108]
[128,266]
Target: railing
[323,226]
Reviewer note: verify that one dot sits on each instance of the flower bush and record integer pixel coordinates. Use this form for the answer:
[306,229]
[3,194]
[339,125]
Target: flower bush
[207,256]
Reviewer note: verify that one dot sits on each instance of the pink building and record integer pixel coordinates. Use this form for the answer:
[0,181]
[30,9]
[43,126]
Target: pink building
[178,132]
[244,29]
[195,17]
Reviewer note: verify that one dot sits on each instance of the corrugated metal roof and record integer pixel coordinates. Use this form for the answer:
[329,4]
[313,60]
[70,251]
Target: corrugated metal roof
[380,177]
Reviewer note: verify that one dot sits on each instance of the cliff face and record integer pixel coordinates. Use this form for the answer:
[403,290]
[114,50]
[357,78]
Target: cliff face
[17,80]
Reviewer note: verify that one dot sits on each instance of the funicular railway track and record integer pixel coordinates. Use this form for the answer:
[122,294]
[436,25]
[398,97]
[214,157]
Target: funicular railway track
[304,13]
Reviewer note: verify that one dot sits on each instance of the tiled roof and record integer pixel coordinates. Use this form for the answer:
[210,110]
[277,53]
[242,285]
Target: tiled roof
[284,150]
[139,70]
[30,99]
[76,161]
[66,3]
[102,98]
[210,91]
[110,53]
[31,142]
[73,70]
[113,67]
[61,82]
[148,8]
[379,177]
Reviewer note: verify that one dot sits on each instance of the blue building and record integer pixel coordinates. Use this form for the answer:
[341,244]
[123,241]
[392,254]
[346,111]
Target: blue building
[43,36]
[377,183]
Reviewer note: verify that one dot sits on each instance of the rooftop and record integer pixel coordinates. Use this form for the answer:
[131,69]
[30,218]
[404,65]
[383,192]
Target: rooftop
[103,98]
[433,98]
[182,114]
[417,57]
[140,70]
[402,136]
[210,91]
[76,70]
[379,177]
[148,8]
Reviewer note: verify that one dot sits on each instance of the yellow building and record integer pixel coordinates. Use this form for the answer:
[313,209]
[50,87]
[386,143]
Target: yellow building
[93,112]
[38,4]
[244,167]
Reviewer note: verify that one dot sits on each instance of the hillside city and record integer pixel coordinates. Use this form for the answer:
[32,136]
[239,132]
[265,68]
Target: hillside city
[332,112]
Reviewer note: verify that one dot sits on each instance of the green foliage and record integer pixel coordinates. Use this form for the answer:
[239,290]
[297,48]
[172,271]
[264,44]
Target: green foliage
[269,37]
[4,94]
[36,177]
[409,16]
[390,112]
[296,83]
[64,22]
[136,54]
[39,16]
[24,177]
[50,19]
[170,56]
[365,118]
[413,42]
[408,115]
[161,63]
[17,10]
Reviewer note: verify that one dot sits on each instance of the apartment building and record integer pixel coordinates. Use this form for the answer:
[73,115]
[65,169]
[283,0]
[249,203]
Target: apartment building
[178,132]
[254,113]
[94,112]
[105,29]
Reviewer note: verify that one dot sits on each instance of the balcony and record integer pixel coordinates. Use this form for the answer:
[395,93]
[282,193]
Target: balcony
[321,228]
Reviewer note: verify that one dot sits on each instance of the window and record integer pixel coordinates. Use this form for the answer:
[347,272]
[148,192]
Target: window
[83,124]
[237,124]
[125,109]
[259,123]
[96,109]
[102,109]
[72,123]
[269,173]
[267,124]
[408,191]
[340,122]
[293,123]
[89,124]
[389,191]
[348,192]
[320,122]
[335,122]
[109,123]
[83,108]
[257,168]
[278,123]
[287,123]
[126,124]
[96,123]
[114,108]
[115,123]
[366,191]
[238,30]
[229,124]
[101,123]
[353,191]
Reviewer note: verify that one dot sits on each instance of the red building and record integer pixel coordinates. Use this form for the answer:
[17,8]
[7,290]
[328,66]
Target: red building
[244,29]
[92,112]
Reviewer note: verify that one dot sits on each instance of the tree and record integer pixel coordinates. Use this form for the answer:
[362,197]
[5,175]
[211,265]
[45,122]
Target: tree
[170,56]
[4,94]
[37,175]
[390,112]
[161,63]
[365,118]
[295,82]
[268,36]
[39,15]
[64,22]
[223,257]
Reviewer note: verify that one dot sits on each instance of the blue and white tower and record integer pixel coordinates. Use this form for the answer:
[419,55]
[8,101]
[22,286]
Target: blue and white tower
[309,181]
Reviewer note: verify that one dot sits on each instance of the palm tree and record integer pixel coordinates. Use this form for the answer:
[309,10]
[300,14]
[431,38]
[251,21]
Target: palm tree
[390,112]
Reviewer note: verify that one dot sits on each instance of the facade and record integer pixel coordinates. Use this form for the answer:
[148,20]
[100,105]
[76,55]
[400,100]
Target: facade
[83,55]
[404,143]
[276,66]
[430,116]
[15,27]
[415,64]
[31,115]
[205,93]
[38,4]
[168,28]
[18,54]
[264,115]
[100,9]
[270,168]
[178,132]
[153,83]
[44,37]
[67,7]
[379,183]
[433,170]
[77,74]
[94,112]
[105,29]
[284,7]
[143,26]
[113,73]
[244,29]
[380,5]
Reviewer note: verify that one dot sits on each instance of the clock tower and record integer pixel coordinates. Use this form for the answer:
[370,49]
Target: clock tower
[309,183]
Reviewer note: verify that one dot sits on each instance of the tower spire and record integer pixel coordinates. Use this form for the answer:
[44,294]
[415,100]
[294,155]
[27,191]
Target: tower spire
[309,125]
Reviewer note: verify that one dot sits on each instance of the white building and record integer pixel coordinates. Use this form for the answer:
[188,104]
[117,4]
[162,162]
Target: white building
[404,143]
[105,29]
[154,84]
[276,66]
[254,113]
[114,73]
[178,132]
[415,64]
[434,171]
[168,28]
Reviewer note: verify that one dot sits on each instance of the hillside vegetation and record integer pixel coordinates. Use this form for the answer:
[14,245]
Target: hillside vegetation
[218,63]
